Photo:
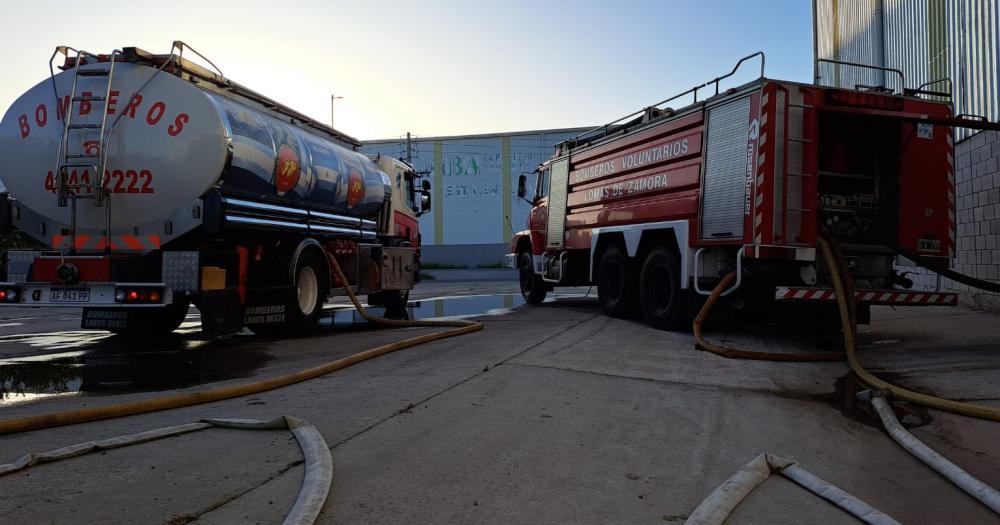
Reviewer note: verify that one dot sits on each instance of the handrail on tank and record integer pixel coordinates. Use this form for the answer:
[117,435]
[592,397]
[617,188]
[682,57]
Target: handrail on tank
[902,78]
[919,90]
[178,44]
[694,90]
[107,141]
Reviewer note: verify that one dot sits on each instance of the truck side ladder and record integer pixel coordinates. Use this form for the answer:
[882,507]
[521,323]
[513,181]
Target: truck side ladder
[91,157]
[808,169]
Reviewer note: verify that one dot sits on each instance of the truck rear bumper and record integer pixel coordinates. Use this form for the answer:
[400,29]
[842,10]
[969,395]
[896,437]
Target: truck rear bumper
[510,261]
[890,297]
[89,295]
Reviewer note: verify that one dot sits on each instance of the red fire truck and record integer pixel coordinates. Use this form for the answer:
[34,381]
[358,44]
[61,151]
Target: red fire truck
[655,207]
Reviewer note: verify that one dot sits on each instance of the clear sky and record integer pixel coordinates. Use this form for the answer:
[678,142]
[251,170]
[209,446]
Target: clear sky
[433,67]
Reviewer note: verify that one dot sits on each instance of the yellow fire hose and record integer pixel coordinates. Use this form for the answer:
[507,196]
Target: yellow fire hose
[69,417]
[733,353]
[845,305]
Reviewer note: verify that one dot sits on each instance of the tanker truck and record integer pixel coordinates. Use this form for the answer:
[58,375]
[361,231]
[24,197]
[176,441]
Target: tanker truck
[155,183]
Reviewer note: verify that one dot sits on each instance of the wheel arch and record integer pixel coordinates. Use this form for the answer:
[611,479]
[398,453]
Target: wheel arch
[638,239]
[305,246]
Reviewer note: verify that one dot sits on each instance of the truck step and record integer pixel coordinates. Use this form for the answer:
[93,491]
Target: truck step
[88,99]
[93,72]
[83,156]
[84,126]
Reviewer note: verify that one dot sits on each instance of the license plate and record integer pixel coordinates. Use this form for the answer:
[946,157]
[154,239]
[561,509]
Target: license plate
[69,295]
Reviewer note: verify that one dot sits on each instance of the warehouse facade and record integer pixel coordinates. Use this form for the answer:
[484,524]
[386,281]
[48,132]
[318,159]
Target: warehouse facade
[948,46]
[473,178]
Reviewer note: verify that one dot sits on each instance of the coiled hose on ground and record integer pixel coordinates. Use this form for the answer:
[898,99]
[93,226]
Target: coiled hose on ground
[69,417]
[734,353]
[845,305]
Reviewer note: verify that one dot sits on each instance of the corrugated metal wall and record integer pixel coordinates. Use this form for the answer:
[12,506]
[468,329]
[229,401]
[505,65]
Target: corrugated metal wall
[973,51]
[925,39]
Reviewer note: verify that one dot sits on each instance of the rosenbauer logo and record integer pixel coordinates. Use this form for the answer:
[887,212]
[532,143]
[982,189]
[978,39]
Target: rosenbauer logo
[287,171]
[751,145]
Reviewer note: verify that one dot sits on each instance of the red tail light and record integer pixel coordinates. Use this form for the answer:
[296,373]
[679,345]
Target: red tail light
[139,295]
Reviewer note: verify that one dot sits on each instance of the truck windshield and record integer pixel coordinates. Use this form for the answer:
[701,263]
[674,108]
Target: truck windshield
[410,191]
[542,188]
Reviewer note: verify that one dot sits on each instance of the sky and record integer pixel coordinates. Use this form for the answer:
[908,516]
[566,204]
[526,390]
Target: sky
[433,67]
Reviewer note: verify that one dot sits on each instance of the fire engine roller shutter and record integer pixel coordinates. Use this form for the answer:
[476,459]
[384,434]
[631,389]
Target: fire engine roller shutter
[725,170]
[558,181]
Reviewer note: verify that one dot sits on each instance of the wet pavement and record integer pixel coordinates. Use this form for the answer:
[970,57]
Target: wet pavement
[551,414]
[90,362]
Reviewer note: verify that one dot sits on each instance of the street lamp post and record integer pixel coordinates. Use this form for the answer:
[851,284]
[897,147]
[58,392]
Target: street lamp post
[333,102]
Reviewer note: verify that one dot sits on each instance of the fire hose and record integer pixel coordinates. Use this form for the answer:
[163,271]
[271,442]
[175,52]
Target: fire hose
[921,261]
[845,305]
[24,424]
[319,471]
[718,505]
[316,454]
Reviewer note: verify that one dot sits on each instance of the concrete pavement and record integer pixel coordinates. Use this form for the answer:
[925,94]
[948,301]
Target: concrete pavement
[552,414]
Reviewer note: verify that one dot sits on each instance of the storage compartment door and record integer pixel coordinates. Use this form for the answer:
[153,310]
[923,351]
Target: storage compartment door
[558,180]
[724,195]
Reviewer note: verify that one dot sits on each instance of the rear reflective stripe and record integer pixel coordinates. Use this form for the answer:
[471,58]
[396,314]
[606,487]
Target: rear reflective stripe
[824,294]
[131,242]
[124,242]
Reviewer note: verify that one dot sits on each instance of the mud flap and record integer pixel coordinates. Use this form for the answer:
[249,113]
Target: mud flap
[267,308]
[221,313]
[107,318]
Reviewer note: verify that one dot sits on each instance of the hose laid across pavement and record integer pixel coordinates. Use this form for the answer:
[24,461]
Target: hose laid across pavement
[986,494]
[717,506]
[69,417]
[316,480]
[845,303]
[733,353]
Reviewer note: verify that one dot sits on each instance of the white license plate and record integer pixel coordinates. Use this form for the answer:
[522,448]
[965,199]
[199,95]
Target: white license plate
[69,295]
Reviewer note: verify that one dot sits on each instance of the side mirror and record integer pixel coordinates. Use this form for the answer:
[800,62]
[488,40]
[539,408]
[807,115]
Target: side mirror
[425,185]
[522,186]
[425,201]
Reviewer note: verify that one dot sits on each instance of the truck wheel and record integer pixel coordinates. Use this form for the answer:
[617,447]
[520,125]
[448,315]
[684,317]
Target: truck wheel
[616,283]
[660,294]
[309,291]
[533,288]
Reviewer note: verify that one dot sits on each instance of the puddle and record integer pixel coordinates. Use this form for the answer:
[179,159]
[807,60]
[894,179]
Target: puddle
[433,308]
[93,362]
[842,399]
[111,370]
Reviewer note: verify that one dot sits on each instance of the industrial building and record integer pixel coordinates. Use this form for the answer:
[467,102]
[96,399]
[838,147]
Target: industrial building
[475,207]
[947,46]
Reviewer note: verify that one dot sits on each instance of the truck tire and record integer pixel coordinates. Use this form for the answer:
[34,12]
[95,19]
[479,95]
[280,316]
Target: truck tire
[308,292]
[660,295]
[159,321]
[533,288]
[616,283]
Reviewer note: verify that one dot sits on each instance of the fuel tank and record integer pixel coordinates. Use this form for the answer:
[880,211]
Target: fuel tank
[170,144]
